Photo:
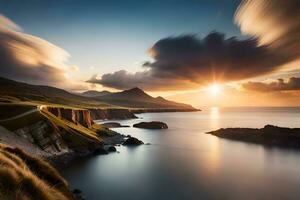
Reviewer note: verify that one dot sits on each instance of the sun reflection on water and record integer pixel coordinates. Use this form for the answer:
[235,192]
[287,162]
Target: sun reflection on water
[214,116]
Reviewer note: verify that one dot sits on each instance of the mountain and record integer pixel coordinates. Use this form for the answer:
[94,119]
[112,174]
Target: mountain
[137,98]
[94,93]
[13,91]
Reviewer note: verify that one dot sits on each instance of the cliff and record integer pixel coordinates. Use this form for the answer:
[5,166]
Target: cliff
[85,117]
[82,117]
[103,114]
[52,131]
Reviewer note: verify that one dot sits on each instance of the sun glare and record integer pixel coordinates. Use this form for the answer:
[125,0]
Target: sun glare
[214,89]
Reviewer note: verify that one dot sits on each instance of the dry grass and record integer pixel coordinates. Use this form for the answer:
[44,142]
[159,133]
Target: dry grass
[24,177]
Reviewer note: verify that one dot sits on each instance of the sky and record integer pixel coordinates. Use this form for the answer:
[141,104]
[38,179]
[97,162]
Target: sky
[248,50]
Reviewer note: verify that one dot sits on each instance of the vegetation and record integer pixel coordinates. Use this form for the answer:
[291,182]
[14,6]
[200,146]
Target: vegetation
[24,177]
[23,121]
[102,131]
[74,134]
[17,92]
[11,110]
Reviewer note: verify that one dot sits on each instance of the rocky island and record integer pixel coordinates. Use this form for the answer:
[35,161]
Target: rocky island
[132,141]
[268,135]
[151,125]
[114,125]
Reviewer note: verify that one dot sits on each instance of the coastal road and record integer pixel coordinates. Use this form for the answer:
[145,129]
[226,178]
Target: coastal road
[21,115]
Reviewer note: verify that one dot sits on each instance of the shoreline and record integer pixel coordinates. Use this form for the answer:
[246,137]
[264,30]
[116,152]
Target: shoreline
[58,160]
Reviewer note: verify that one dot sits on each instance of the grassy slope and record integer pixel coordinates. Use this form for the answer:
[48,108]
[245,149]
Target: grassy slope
[17,92]
[22,121]
[75,135]
[24,177]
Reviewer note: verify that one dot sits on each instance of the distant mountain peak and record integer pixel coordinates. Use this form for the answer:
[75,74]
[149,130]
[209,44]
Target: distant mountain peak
[95,93]
[135,89]
[160,98]
[137,98]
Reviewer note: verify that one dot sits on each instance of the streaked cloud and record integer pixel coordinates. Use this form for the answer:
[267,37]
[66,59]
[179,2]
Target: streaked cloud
[31,59]
[274,22]
[292,83]
[6,23]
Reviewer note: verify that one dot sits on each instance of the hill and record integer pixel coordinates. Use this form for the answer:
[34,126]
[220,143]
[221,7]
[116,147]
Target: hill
[16,92]
[137,98]
[13,91]
[94,93]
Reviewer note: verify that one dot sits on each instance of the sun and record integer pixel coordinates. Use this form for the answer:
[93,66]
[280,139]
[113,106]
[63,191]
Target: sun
[214,89]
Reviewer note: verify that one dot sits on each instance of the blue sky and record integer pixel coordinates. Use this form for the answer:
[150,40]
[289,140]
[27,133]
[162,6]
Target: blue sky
[105,36]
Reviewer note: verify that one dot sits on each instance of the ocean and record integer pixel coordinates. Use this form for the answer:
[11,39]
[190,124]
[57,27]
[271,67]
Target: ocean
[183,162]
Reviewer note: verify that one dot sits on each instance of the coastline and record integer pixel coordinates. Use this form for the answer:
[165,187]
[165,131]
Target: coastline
[101,148]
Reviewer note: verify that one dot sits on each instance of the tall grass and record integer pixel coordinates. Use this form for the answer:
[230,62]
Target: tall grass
[23,177]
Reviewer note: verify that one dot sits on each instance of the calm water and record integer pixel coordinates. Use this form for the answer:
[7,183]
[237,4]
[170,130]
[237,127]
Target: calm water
[184,163]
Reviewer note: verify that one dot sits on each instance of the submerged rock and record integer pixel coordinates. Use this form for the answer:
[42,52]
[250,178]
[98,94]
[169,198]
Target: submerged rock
[151,125]
[132,141]
[78,194]
[111,149]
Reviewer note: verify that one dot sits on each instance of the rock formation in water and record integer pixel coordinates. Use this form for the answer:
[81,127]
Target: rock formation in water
[269,135]
[113,125]
[151,125]
[132,141]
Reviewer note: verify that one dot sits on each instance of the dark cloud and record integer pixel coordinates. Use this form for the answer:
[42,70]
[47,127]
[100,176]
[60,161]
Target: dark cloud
[279,85]
[124,80]
[30,59]
[212,58]
[189,61]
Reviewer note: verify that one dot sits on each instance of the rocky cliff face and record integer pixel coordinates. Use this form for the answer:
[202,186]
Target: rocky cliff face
[102,114]
[82,117]
[45,136]
[86,117]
